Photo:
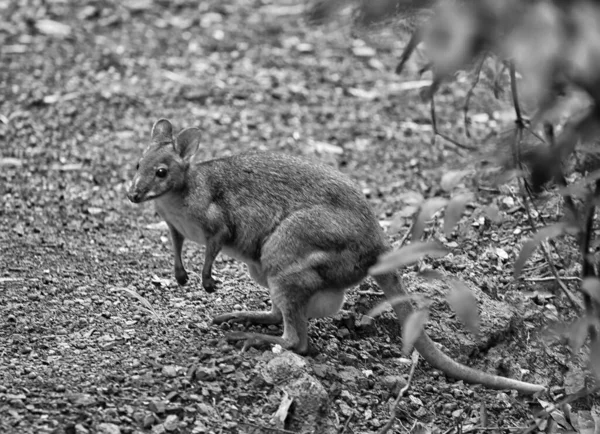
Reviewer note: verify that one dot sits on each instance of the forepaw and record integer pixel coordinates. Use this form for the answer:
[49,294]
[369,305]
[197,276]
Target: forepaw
[181,276]
[210,284]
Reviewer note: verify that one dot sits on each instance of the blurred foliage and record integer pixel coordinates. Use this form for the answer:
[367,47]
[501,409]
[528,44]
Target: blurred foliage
[550,50]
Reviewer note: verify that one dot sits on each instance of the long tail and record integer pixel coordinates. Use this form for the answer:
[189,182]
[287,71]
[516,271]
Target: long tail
[392,287]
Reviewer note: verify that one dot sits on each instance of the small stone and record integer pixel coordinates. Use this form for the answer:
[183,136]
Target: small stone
[348,359]
[227,369]
[159,429]
[450,407]
[109,428]
[80,429]
[345,409]
[343,332]
[420,413]
[456,414]
[157,406]
[82,399]
[282,367]
[169,371]
[148,421]
[171,422]
[206,373]
[392,382]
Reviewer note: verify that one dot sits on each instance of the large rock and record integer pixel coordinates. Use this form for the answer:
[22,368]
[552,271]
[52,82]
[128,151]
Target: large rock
[304,407]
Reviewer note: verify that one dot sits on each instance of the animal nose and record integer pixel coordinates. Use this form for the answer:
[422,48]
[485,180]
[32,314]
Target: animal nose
[133,193]
[133,197]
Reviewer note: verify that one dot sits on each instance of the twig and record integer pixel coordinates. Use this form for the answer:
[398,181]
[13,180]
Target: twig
[401,393]
[574,302]
[415,38]
[534,134]
[515,98]
[582,393]
[347,423]
[443,136]
[517,164]
[470,94]
[547,279]
[369,292]
[268,428]
[588,269]
[406,235]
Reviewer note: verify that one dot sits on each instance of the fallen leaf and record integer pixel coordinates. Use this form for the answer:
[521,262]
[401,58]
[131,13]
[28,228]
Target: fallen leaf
[282,412]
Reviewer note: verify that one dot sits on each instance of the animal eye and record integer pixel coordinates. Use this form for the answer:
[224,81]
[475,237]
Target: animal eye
[161,173]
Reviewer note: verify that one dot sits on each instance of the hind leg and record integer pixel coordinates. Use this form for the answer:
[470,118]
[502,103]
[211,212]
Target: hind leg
[308,262]
[295,322]
[254,317]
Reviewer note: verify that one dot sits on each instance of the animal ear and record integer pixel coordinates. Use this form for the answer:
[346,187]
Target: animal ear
[187,142]
[162,131]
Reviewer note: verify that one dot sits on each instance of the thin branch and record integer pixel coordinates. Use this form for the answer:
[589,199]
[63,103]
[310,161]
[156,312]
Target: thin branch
[558,176]
[522,186]
[574,301]
[443,136]
[534,133]
[415,38]
[406,235]
[582,393]
[515,96]
[432,114]
[588,269]
[470,94]
[401,393]
[548,279]
[347,423]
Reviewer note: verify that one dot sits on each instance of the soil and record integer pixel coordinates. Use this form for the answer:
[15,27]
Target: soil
[95,333]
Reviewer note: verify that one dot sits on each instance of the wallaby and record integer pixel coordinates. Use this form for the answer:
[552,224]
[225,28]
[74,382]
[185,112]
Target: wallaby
[304,229]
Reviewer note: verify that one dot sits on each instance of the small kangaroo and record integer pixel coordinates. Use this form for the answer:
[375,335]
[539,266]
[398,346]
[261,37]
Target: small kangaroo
[305,231]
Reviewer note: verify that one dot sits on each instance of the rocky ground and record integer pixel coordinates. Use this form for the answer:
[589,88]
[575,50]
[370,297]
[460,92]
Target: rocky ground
[95,334]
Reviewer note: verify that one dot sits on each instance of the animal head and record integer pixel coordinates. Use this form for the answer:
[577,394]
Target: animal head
[164,164]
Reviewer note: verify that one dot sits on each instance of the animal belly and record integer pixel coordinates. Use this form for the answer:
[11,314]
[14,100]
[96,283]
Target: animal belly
[324,304]
[235,254]
[194,233]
